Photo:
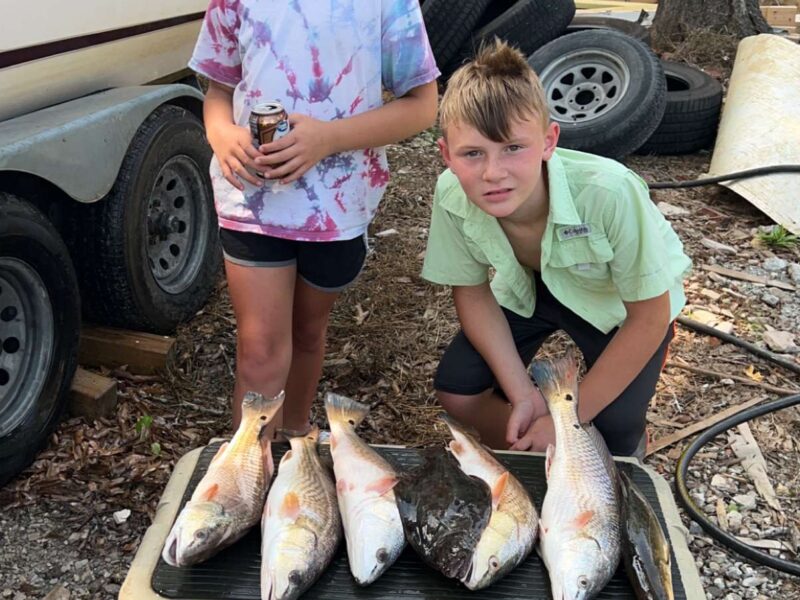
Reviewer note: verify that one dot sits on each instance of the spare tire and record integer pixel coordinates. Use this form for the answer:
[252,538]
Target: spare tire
[605,89]
[590,21]
[39,329]
[449,23]
[691,117]
[527,25]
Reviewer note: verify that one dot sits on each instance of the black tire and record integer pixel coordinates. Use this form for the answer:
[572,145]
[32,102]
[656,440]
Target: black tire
[605,89]
[148,254]
[527,25]
[689,124]
[449,24]
[39,332]
[587,22]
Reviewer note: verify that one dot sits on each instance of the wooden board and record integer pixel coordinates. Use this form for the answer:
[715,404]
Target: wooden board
[143,353]
[580,4]
[91,395]
[780,16]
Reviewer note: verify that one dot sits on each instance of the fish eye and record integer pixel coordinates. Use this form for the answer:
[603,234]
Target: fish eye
[568,397]
[583,582]
[201,534]
[295,578]
[494,563]
[382,555]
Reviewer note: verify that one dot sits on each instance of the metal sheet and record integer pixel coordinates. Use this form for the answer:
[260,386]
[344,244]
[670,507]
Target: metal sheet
[760,126]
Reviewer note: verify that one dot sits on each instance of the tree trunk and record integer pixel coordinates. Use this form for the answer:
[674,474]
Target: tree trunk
[676,18]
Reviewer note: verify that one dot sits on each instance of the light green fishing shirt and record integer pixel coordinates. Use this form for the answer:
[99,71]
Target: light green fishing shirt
[605,242]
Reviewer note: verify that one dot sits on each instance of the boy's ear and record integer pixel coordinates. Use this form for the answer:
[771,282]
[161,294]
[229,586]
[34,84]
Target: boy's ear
[442,143]
[550,140]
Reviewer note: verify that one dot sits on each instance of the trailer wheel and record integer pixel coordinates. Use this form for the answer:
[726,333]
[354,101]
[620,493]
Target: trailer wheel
[449,23]
[605,89]
[149,252]
[39,329]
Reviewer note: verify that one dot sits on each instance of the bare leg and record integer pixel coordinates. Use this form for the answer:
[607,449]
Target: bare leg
[262,303]
[312,309]
[486,412]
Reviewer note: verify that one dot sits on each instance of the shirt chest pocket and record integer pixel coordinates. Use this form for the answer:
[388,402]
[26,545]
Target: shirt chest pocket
[585,259]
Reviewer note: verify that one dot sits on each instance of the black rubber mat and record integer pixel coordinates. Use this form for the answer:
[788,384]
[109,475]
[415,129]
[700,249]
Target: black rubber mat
[234,572]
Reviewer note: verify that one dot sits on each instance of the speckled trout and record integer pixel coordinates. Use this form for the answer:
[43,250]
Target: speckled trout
[511,531]
[301,527]
[229,499]
[364,488]
[579,533]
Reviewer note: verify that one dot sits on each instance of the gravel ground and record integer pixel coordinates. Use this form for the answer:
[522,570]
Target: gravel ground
[63,534]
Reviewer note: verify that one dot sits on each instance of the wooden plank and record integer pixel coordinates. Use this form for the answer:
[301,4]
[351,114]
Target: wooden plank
[734,274]
[668,440]
[143,353]
[91,395]
[780,16]
[579,4]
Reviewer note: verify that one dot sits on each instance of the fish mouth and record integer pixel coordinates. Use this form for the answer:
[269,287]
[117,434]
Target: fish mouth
[170,553]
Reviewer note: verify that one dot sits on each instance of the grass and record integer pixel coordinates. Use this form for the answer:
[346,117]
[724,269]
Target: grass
[779,238]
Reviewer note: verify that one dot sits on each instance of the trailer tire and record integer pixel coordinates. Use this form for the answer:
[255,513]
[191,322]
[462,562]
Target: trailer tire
[449,23]
[606,90]
[148,253]
[691,117]
[39,329]
[589,22]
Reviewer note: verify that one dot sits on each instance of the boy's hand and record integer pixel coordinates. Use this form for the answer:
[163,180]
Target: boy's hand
[524,413]
[291,156]
[538,437]
[235,152]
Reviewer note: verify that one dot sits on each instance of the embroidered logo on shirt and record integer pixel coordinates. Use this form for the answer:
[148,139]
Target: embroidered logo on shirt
[569,232]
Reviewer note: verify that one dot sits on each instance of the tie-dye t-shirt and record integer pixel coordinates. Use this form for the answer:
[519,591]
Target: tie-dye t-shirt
[328,59]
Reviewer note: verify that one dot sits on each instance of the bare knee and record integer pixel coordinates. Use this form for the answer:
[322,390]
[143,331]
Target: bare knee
[456,405]
[263,360]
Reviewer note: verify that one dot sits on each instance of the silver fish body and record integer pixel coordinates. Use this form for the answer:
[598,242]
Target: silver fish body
[229,499]
[580,524]
[301,527]
[373,529]
[511,532]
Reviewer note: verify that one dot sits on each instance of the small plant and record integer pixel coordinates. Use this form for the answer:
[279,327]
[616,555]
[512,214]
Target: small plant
[143,427]
[778,237]
[155,449]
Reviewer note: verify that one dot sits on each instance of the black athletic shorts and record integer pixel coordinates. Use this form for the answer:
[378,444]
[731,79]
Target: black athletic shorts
[328,266]
[463,371]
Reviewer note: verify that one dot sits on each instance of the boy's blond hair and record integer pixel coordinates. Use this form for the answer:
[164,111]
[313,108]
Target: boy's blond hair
[497,87]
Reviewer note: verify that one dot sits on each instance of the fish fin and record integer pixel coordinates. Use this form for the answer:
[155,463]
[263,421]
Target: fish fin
[382,485]
[583,519]
[557,379]
[456,447]
[548,461]
[219,453]
[343,410]
[290,507]
[341,485]
[456,427]
[257,407]
[266,458]
[498,488]
[542,530]
[285,458]
[210,493]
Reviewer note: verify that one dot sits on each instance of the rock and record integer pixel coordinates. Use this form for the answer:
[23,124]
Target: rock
[774,264]
[794,272]
[710,294]
[735,520]
[121,516]
[718,247]
[695,529]
[771,299]
[746,501]
[780,341]
[754,581]
[670,210]
[59,593]
[720,482]
[714,591]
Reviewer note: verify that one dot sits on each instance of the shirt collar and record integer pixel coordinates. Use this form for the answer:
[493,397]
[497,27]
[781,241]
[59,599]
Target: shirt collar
[562,205]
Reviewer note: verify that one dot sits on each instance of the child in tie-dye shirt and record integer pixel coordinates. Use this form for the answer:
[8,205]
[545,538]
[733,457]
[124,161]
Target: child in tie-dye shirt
[294,240]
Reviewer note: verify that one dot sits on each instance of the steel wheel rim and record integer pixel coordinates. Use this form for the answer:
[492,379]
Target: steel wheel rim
[584,85]
[177,224]
[27,334]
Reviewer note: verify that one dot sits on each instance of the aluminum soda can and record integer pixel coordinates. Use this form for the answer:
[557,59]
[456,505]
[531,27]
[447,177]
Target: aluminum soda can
[268,122]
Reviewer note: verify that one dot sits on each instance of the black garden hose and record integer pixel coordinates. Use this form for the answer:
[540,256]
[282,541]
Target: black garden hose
[696,513]
[757,172]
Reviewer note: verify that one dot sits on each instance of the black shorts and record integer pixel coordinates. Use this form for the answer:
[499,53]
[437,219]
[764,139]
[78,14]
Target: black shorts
[463,371]
[328,266]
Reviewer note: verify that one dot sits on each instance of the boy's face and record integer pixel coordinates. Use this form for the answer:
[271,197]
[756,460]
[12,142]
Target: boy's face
[500,177]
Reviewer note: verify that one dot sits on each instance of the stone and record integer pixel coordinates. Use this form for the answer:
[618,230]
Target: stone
[746,501]
[753,581]
[718,247]
[714,591]
[58,593]
[670,210]
[774,264]
[794,272]
[770,299]
[780,341]
[735,520]
[720,482]
[121,516]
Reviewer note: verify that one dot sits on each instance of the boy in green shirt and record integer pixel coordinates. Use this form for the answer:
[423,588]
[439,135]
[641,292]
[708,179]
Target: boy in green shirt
[574,243]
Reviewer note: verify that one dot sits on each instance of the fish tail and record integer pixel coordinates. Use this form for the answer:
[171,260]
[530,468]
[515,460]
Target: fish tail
[557,379]
[257,406]
[342,410]
[301,439]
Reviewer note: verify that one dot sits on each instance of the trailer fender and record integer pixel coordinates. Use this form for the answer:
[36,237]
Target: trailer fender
[79,145]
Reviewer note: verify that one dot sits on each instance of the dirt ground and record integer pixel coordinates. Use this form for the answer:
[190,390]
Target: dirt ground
[57,528]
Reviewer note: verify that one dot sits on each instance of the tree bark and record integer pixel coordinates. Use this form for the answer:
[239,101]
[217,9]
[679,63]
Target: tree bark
[675,19]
